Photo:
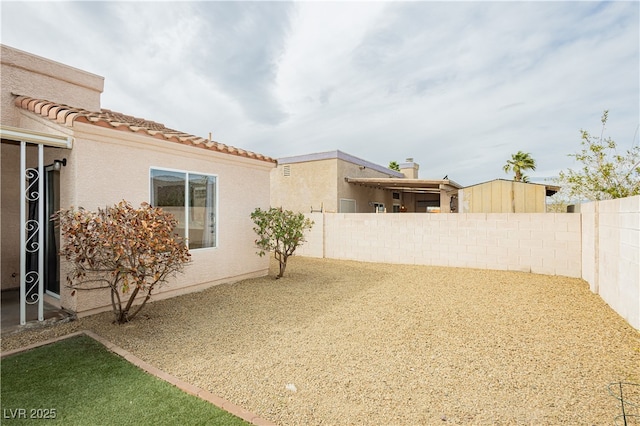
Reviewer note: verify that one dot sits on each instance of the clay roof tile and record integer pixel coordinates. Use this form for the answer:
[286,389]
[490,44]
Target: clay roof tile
[67,115]
[69,118]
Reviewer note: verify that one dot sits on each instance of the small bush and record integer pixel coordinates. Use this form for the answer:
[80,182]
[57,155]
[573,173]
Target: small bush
[280,231]
[128,250]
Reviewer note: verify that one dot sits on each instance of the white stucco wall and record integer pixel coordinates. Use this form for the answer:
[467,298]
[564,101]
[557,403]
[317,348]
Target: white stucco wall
[107,166]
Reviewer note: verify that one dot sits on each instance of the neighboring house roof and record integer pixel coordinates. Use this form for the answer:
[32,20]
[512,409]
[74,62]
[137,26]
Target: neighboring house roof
[549,189]
[329,155]
[396,180]
[67,115]
[407,185]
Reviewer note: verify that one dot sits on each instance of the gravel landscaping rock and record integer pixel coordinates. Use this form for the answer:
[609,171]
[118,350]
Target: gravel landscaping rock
[338,342]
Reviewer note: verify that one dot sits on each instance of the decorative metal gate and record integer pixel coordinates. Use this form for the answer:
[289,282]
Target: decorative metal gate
[32,237]
[31,234]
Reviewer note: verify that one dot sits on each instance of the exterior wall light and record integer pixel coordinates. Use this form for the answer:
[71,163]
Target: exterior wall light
[58,164]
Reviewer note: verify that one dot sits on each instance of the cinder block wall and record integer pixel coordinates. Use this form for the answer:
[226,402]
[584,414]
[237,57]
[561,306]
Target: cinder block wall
[611,254]
[314,246]
[544,243]
[600,245]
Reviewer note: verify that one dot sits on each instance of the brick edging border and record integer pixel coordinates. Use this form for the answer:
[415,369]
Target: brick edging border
[180,384]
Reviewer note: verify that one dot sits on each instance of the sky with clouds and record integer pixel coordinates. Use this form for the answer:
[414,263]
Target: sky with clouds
[458,86]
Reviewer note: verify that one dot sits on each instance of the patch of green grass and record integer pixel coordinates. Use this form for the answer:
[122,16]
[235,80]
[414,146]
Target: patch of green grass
[86,384]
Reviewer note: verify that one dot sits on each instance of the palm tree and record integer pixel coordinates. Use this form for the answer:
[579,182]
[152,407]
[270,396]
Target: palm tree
[518,163]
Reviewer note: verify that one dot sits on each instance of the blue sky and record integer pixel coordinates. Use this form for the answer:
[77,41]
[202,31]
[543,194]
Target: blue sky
[458,86]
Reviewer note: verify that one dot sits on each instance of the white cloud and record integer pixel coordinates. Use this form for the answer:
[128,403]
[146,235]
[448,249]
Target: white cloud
[318,49]
[459,86]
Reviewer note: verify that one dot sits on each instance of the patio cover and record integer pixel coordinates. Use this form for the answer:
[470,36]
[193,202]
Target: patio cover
[421,186]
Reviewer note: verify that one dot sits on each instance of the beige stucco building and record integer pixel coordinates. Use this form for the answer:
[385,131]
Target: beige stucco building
[335,181]
[53,125]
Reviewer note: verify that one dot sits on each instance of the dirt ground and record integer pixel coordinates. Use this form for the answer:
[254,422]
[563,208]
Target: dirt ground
[338,343]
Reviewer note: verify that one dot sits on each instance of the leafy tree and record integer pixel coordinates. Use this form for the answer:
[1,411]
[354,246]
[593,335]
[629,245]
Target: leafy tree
[604,174]
[518,163]
[125,249]
[280,231]
[393,165]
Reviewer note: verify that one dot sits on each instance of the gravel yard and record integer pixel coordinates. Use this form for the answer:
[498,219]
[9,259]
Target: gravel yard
[378,344]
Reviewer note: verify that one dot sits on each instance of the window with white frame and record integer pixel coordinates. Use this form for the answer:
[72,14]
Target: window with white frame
[378,207]
[191,198]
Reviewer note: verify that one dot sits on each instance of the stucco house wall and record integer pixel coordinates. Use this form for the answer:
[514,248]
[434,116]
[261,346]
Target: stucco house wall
[303,186]
[317,182]
[10,211]
[30,75]
[9,214]
[111,161]
[363,196]
[121,167]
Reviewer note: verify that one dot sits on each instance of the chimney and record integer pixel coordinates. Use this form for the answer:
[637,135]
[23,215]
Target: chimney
[409,169]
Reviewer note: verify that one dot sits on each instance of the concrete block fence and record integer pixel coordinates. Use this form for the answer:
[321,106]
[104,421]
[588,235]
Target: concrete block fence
[611,254]
[600,245]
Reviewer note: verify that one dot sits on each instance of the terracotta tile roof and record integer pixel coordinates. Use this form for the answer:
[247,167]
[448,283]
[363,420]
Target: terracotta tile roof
[67,115]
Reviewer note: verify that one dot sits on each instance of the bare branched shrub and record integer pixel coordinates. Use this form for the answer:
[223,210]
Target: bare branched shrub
[129,250]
